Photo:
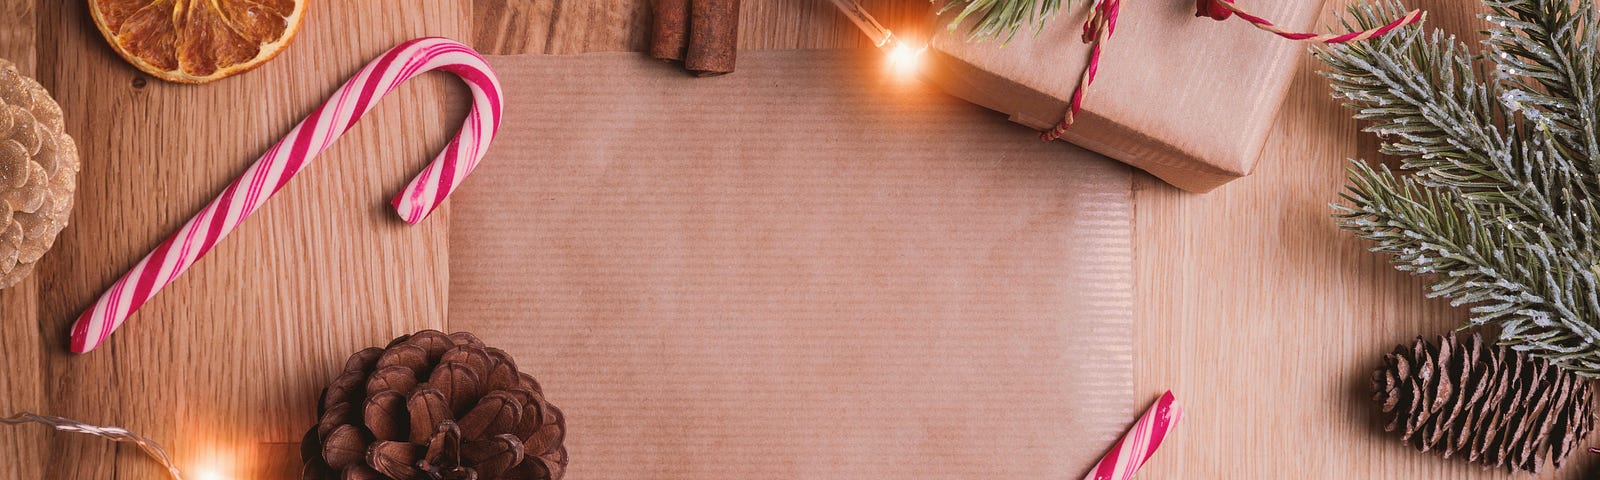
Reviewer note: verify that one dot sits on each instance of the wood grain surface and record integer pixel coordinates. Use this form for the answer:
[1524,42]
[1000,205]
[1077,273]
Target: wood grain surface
[20,360]
[227,380]
[1250,304]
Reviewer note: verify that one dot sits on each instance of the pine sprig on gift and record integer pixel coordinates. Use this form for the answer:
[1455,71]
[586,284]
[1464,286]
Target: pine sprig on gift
[1498,167]
[1002,19]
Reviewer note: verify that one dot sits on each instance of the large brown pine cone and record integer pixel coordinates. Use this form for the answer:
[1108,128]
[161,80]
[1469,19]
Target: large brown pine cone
[38,173]
[1496,406]
[435,406]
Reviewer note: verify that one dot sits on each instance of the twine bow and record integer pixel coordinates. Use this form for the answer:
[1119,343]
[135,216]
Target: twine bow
[1103,22]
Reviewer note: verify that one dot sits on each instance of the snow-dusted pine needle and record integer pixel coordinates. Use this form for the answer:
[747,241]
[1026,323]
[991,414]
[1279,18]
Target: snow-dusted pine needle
[1497,197]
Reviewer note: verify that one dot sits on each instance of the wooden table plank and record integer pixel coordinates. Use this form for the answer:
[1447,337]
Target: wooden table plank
[22,383]
[225,365]
[17,33]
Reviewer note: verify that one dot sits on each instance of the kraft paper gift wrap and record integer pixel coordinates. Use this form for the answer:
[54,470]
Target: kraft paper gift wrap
[1188,99]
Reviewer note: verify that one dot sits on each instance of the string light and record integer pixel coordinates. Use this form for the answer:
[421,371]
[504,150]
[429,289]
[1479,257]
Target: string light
[880,36]
[903,58]
[116,434]
[215,461]
[209,475]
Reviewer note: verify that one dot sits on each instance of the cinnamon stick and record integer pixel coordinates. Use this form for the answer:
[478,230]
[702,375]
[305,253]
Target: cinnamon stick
[669,37]
[713,36]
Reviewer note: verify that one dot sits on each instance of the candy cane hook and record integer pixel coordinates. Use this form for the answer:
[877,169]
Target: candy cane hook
[291,154]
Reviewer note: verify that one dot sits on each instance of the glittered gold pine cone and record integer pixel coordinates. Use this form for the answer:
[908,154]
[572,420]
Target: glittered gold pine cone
[1489,404]
[435,406]
[38,173]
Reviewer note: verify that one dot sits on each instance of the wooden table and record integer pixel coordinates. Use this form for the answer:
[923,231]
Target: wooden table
[1261,314]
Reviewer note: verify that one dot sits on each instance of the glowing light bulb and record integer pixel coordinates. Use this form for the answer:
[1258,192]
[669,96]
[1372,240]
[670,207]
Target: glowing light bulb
[905,60]
[209,475]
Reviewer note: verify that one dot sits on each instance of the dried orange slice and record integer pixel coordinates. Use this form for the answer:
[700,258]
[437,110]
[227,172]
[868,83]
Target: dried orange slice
[197,41]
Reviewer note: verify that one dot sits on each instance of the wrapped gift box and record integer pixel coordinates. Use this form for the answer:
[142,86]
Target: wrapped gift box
[1188,99]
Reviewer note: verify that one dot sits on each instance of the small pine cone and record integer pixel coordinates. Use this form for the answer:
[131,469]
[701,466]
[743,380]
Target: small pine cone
[38,173]
[1493,405]
[432,406]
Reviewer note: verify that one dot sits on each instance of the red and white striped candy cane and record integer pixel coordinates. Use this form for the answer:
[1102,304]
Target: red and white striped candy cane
[291,154]
[1140,442]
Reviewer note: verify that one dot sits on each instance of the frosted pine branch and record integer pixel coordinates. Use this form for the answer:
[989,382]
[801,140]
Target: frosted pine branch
[1001,19]
[1498,154]
[1544,51]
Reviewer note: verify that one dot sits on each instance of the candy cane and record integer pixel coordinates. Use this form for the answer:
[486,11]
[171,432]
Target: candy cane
[313,135]
[1140,442]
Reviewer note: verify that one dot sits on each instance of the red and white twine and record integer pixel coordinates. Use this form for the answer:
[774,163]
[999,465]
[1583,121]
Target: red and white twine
[1409,18]
[1103,20]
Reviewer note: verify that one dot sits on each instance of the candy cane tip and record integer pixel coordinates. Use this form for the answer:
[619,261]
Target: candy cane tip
[80,338]
[410,213]
[1174,410]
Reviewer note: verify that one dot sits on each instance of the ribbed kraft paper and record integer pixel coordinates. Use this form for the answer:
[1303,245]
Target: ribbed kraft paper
[807,269]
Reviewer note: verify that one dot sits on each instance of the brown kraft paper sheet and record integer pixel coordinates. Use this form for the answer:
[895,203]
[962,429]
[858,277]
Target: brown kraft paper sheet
[810,269]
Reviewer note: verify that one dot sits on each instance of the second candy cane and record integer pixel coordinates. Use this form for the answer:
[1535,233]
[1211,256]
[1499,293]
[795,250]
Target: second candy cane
[296,150]
[1141,441]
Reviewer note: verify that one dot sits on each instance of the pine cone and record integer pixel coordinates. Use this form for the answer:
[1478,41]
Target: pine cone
[435,406]
[38,173]
[1496,406]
